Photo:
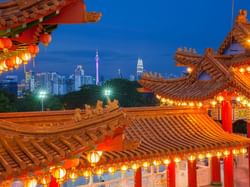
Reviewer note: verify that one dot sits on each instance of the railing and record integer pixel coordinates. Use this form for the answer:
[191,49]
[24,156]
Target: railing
[158,179]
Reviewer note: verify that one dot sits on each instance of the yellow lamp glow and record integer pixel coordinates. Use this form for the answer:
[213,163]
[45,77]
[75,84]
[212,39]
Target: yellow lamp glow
[166,161]
[242,70]
[189,70]
[248,69]
[220,98]
[191,158]
[94,157]
[156,162]
[87,173]
[226,152]
[111,170]
[45,180]
[59,173]
[99,172]
[201,156]
[73,175]
[124,168]
[25,57]
[236,152]
[243,150]
[145,164]
[135,166]
[31,182]
[208,155]
[177,160]
[218,154]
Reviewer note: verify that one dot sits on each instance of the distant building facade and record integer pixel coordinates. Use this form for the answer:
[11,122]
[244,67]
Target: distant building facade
[139,68]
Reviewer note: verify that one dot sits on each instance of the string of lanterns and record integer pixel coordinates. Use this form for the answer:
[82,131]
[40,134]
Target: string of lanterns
[70,170]
[14,56]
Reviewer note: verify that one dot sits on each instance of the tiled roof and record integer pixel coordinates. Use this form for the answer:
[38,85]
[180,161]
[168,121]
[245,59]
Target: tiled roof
[33,140]
[222,70]
[239,33]
[169,132]
[18,12]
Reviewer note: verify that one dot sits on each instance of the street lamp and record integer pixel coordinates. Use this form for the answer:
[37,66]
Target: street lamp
[107,92]
[42,95]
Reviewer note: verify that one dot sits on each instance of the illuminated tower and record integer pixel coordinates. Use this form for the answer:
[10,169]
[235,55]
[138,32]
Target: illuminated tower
[139,68]
[97,67]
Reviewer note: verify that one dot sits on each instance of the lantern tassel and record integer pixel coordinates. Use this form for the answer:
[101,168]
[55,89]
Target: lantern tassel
[24,68]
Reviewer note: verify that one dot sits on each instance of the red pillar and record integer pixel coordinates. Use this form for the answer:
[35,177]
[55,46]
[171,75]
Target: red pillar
[138,177]
[248,135]
[227,125]
[216,178]
[228,171]
[53,183]
[171,174]
[192,176]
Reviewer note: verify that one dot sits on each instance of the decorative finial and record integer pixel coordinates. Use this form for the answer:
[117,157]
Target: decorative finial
[242,17]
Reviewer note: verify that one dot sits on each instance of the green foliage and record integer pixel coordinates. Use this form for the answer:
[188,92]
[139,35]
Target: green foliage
[121,89]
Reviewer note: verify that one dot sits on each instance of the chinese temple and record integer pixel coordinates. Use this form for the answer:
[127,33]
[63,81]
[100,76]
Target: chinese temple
[125,145]
[24,24]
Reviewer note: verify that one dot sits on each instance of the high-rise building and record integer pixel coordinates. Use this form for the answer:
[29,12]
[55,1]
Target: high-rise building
[88,80]
[139,68]
[9,84]
[29,81]
[97,67]
[79,73]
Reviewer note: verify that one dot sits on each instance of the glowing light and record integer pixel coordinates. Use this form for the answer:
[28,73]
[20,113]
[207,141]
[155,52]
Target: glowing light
[166,161]
[135,166]
[189,70]
[191,158]
[248,69]
[244,102]
[145,164]
[156,162]
[32,182]
[177,160]
[208,155]
[59,173]
[199,104]
[99,172]
[239,98]
[107,92]
[87,173]
[242,70]
[218,154]
[163,100]
[220,98]
[111,170]
[25,57]
[201,156]
[158,97]
[124,168]
[236,152]
[191,104]
[213,103]
[94,157]
[243,150]
[45,180]
[73,175]
[226,152]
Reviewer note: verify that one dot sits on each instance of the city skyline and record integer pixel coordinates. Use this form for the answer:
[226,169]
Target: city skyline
[154,37]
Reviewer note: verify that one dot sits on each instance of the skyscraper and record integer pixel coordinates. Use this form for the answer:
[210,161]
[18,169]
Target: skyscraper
[79,73]
[97,67]
[139,68]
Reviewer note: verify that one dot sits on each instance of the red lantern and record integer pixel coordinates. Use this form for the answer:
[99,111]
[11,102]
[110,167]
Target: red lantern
[9,63]
[45,39]
[25,57]
[5,44]
[33,50]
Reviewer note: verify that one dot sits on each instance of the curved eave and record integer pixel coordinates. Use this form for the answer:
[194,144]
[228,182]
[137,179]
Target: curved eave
[33,141]
[170,132]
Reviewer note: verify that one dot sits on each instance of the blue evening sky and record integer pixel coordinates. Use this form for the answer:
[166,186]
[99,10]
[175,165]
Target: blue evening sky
[150,29]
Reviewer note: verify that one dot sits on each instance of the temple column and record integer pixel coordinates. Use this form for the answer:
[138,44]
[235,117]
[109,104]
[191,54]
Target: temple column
[215,164]
[227,125]
[192,174]
[171,174]
[138,177]
[248,135]
[53,183]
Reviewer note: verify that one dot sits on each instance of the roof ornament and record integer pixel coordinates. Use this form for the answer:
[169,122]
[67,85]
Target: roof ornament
[242,17]
[185,49]
[112,105]
[77,115]
[99,108]
[179,49]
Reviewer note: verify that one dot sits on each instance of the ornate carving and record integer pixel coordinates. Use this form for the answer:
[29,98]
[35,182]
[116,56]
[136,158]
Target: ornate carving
[77,115]
[99,108]
[88,112]
[242,17]
[112,105]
